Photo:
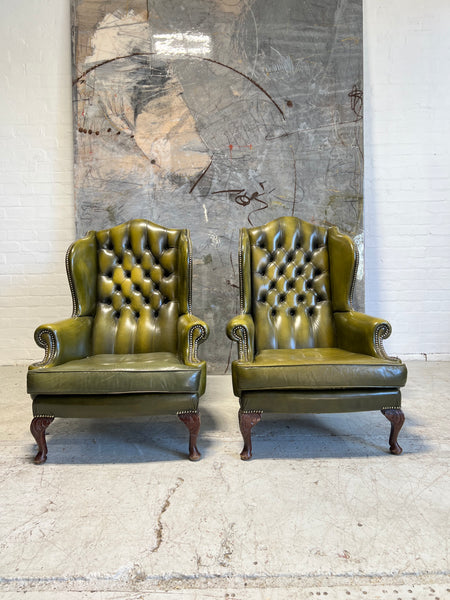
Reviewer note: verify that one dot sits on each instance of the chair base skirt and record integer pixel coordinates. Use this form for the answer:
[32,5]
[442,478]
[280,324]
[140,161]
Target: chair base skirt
[114,405]
[319,401]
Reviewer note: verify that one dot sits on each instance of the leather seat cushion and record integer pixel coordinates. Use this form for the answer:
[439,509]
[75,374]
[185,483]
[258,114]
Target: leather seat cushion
[326,368]
[156,372]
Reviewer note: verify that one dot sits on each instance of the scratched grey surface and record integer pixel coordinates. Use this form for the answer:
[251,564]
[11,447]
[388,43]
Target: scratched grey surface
[216,115]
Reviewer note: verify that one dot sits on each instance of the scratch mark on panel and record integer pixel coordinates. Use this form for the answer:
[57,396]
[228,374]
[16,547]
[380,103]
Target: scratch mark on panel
[199,178]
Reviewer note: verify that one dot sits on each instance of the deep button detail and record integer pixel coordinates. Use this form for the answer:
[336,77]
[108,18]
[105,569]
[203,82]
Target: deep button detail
[317,272]
[292,311]
[299,271]
[136,314]
[290,284]
[271,285]
[128,301]
[116,315]
[117,287]
[281,270]
[309,284]
[289,256]
[311,311]
[282,297]
[109,274]
[263,297]
[300,298]
[263,271]
[137,287]
[273,312]
[165,301]
[156,286]
[127,273]
[308,256]
[156,313]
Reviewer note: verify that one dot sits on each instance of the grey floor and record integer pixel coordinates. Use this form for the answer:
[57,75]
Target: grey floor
[322,510]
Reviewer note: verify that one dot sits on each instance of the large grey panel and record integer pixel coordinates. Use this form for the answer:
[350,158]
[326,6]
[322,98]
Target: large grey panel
[214,115]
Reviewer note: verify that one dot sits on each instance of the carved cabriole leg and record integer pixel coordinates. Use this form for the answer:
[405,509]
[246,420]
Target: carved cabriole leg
[247,420]
[397,418]
[37,428]
[192,422]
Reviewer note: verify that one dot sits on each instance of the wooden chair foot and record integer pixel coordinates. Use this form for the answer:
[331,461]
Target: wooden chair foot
[37,428]
[397,418]
[192,422]
[247,420]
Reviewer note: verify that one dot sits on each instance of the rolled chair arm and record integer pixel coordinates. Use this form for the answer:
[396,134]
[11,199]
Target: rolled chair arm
[241,329]
[63,341]
[358,332]
[191,332]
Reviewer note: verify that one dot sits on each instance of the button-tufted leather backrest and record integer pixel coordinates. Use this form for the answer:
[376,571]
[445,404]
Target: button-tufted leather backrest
[142,285]
[286,284]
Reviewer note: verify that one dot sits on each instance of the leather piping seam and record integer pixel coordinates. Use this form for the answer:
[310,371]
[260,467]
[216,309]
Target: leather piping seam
[189,261]
[242,341]
[241,272]
[71,284]
[353,282]
[193,344]
[49,347]
[382,332]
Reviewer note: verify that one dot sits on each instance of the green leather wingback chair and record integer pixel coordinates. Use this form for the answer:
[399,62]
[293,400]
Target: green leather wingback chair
[301,346]
[130,348]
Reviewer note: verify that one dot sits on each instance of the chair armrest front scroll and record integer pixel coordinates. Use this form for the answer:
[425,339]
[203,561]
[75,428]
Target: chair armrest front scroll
[63,341]
[241,329]
[191,332]
[358,332]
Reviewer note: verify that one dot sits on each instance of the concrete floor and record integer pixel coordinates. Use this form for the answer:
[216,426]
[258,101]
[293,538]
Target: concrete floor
[322,510]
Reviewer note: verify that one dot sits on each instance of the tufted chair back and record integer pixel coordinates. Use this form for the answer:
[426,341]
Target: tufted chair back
[286,286]
[134,280]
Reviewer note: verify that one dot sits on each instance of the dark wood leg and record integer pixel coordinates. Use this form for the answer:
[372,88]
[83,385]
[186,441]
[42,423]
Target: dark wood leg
[192,422]
[247,420]
[37,428]
[397,418]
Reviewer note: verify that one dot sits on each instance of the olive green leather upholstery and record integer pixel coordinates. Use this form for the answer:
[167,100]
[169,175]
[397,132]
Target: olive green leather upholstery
[301,346]
[130,347]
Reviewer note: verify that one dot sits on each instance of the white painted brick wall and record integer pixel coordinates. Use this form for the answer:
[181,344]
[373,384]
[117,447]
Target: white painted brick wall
[407,163]
[36,199]
[407,172]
